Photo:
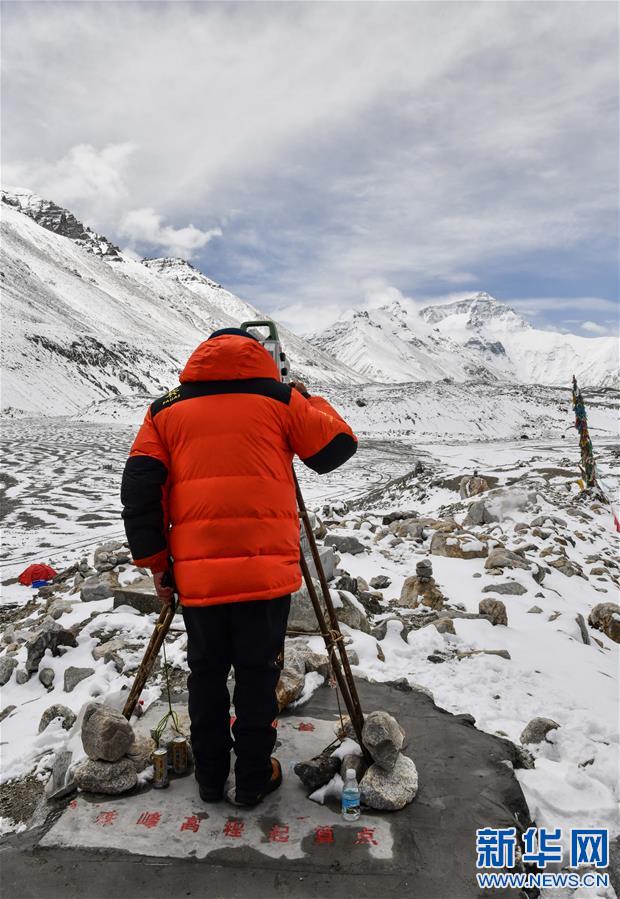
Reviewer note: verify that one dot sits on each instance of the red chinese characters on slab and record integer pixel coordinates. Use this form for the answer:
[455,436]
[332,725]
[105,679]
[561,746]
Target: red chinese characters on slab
[306,725]
[192,822]
[233,828]
[104,819]
[279,833]
[366,837]
[149,819]
[324,834]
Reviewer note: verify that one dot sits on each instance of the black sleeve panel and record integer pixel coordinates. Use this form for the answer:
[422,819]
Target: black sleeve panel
[143,513]
[333,455]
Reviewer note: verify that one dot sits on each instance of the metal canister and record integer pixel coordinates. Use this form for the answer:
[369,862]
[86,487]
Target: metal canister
[160,766]
[179,755]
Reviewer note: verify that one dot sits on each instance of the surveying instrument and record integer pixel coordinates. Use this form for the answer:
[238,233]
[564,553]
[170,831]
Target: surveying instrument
[325,611]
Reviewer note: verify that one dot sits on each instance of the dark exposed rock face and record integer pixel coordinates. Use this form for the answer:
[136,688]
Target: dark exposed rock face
[61,221]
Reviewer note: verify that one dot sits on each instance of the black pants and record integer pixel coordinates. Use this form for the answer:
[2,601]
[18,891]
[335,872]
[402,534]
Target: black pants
[250,637]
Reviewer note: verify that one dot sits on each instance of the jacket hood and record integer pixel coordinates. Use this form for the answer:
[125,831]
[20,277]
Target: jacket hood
[228,358]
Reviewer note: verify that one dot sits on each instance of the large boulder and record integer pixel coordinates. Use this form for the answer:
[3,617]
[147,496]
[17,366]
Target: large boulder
[458,546]
[509,588]
[57,711]
[106,777]
[390,790]
[383,737]
[289,687]
[472,485]
[50,635]
[106,733]
[479,514]
[494,609]
[99,586]
[605,617]
[417,590]
[74,676]
[505,558]
[7,664]
[537,729]
[302,618]
[344,544]
[349,612]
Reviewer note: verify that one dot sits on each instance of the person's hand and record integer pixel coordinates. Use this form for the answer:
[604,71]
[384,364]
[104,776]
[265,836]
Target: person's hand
[301,387]
[163,586]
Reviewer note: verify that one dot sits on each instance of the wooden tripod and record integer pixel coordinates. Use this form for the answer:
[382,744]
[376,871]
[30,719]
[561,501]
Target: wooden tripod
[330,631]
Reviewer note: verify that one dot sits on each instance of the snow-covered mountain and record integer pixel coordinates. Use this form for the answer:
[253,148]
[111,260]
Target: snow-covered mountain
[477,337]
[83,322]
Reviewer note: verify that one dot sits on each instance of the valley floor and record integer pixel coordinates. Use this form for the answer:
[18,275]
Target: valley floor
[62,499]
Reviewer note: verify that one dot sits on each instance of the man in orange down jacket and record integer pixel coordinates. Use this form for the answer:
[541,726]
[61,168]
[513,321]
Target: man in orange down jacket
[208,491]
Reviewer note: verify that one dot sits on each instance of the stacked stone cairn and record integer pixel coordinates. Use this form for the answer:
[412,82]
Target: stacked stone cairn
[388,784]
[115,754]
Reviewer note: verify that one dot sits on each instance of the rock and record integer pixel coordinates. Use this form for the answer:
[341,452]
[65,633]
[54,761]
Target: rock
[302,618]
[566,566]
[505,558]
[509,588]
[502,653]
[58,607]
[537,729]
[99,586]
[106,733]
[140,752]
[444,625]
[7,664]
[289,688]
[424,569]
[605,617]
[73,676]
[398,516]
[548,520]
[535,610]
[539,573]
[344,544]
[21,676]
[59,785]
[390,790]
[50,636]
[110,554]
[353,761]
[106,777]
[109,649]
[383,737]
[348,583]
[472,486]
[380,582]
[46,676]
[423,590]
[458,546]
[478,514]
[318,771]
[318,661]
[583,629]
[348,612]
[7,711]
[494,609]
[57,711]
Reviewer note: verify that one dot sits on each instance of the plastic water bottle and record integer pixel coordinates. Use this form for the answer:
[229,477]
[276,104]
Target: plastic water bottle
[351,797]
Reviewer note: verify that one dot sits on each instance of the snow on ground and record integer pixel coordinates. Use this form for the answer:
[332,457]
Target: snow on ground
[63,500]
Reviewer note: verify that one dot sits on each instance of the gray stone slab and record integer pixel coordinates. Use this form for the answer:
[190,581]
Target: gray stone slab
[427,849]
[140,596]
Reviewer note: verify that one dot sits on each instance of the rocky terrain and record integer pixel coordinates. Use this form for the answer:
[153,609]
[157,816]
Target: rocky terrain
[495,591]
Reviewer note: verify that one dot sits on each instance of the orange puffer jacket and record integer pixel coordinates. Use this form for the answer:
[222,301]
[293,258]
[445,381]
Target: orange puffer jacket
[209,477]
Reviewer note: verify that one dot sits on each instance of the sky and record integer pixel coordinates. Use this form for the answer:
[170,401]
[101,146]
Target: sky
[314,157]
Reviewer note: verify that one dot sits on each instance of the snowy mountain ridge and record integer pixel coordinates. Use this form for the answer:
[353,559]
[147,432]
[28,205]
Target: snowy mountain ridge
[82,325]
[476,337]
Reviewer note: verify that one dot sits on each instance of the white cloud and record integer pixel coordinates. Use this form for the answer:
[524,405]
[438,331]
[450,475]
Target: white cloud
[84,176]
[145,227]
[594,328]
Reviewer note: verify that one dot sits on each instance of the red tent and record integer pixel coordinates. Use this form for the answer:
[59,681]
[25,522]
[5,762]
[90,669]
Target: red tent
[36,572]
